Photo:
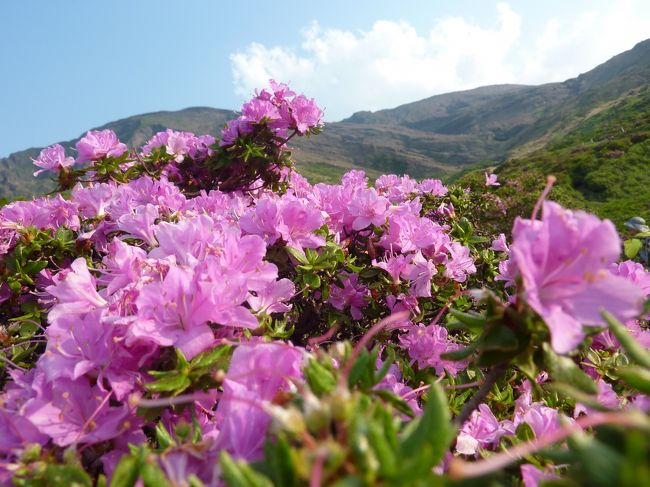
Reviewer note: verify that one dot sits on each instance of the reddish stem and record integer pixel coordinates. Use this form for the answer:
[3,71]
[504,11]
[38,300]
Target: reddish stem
[460,469]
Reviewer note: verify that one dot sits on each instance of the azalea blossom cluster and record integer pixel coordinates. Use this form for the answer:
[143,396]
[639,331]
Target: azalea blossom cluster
[280,109]
[145,311]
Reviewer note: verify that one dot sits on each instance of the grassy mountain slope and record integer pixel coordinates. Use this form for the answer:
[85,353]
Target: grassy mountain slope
[602,165]
[16,170]
[441,136]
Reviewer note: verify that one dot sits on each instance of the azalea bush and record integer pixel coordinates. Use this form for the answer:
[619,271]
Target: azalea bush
[195,312]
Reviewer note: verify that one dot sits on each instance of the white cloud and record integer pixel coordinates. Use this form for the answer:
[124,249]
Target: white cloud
[392,63]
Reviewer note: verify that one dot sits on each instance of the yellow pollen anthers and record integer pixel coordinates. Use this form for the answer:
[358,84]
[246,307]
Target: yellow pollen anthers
[591,277]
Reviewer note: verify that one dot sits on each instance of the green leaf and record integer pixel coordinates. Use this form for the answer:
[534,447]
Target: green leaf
[181,361]
[394,400]
[126,472]
[34,267]
[320,379]
[362,371]
[240,474]
[277,456]
[460,354]
[472,319]
[163,437]
[563,369]
[152,475]
[299,255]
[634,350]
[632,247]
[433,429]
[311,279]
[636,377]
[68,475]
[170,383]
[578,395]
[388,462]
[216,358]
[499,338]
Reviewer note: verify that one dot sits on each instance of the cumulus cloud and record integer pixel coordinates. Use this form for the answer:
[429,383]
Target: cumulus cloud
[393,63]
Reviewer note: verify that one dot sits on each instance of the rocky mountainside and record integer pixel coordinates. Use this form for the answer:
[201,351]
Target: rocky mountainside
[441,136]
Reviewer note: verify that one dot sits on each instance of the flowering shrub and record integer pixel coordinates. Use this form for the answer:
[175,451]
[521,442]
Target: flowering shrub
[197,313]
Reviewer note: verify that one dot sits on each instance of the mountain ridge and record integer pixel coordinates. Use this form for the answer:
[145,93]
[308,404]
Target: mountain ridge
[439,136]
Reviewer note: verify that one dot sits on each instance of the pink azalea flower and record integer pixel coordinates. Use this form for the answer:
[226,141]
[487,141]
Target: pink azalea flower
[281,91]
[234,129]
[461,263]
[562,262]
[352,295]
[540,418]
[78,413]
[433,187]
[52,159]
[419,272]
[139,223]
[532,476]
[97,144]
[258,371]
[633,272]
[426,344]
[75,291]
[93,199]
[499,244]
[606,396]
[298,221]
[272,298]
[395,265]
[304,114]
[368,208]
[262,220]
[176,312]
[491,180]
[481,430]
[392,382]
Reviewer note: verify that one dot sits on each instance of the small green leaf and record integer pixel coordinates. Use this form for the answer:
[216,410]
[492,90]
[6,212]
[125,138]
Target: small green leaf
[240,474]
[152,475]
[636,377]
[299,255]
[34,267]
[165,440]
[434,428]
[215,358]
[311,279]
[68,475]
[126,472]
[632,247]
[320,379]
[565,370]
[362,371]
[397,402]
[499,338]
[635,351]
[170,383]
[472,319]
[277,455]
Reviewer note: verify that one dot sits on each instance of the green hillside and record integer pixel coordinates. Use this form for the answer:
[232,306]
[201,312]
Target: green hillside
[602,165]
[442,136]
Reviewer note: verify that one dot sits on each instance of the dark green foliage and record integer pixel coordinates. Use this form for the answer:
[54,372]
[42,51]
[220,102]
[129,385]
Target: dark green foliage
[602,165]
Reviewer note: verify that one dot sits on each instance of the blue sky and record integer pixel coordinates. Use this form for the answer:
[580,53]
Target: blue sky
[71,65]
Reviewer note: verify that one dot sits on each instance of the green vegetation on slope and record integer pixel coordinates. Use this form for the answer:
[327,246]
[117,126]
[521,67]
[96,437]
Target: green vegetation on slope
[602,165]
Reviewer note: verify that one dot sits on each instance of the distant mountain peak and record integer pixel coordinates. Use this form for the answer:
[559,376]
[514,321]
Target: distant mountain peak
[438,136]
